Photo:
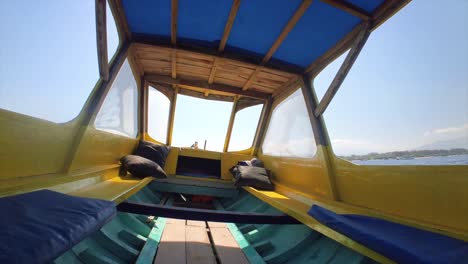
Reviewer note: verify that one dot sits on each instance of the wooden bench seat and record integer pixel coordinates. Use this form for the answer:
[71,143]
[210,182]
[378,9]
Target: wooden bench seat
[116,189]
[298,208]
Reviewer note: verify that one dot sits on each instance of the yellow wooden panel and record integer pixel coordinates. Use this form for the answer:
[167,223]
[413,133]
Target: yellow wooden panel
[432,195]
[117,189]
[99,148]
[199,153]
[59,182]
[32,146]
[304,175]
[171,161]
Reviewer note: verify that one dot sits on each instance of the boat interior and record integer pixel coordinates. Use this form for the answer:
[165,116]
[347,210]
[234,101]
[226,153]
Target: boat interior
[248,53]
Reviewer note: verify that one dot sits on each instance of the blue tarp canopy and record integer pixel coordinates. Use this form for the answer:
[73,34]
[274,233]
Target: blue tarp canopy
[257,25]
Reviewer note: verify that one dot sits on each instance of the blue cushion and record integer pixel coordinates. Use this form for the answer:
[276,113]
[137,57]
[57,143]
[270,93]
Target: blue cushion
[39,226]
[400,243]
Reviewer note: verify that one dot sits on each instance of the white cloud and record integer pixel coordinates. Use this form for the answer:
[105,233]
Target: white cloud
[449,131]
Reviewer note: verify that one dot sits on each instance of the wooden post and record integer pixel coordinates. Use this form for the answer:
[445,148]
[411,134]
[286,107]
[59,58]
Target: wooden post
[172,116]
[93,104]
[350,8]
[231,124]
[260,133]
[229,23]
[344,69]
[320,136]
[101,39]
[174,12]
[143,107]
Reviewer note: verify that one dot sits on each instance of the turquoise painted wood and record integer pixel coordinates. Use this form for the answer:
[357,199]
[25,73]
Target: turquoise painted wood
[133,238]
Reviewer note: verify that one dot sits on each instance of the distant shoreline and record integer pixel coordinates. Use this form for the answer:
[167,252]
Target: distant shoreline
[407,155]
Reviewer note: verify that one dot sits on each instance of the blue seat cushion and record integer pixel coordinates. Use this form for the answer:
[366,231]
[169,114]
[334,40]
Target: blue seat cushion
[39,226]
[401,243]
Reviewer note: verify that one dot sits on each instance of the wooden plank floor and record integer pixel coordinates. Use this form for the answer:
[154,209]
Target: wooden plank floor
[188,242]
[226,246]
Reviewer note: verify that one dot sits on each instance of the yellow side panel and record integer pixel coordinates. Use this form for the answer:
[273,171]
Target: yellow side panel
[306,176]
[117,189]
[171,161]
[98,148]
[436,195]
[228,160]
[32,146]
[199,153]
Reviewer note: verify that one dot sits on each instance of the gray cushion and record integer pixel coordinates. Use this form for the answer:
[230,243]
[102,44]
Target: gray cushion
[141,167]
[155,152]
[256,177]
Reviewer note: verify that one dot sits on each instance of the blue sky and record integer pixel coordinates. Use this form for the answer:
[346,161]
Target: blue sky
[408,88]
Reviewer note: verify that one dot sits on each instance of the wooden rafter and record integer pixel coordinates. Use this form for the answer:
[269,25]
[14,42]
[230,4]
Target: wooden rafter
[213,70]
[173,63]
[350,8]
[229,23]
[289,26]
[344,69]
[164,79]
[381,14]
[284,33]
[252,78]
[174,12]
[212,74]
[120,19]
[101,38]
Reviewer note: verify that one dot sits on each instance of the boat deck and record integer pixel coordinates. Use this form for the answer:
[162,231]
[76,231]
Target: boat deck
[196,242]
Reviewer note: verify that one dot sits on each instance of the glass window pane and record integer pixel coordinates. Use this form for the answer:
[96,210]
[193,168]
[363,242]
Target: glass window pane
[199,120]
[158,115]
[48,57]
[290,132]
[119,112]
[405,101]
[245,126]
[112,34]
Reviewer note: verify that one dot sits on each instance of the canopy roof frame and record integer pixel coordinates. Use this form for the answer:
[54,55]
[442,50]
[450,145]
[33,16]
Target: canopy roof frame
[369,20]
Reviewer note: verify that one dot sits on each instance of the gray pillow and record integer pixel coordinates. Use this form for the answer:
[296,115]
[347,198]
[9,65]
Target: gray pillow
[256,177]
[141,167]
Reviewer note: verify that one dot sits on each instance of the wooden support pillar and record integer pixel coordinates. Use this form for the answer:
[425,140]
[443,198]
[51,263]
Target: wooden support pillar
[101,39]
[261,128]
[172,116]
[321,139]
[93,104]
[344,69]
[143,107]
[231,124]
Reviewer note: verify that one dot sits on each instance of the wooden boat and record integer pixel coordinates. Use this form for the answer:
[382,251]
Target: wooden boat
[156,222]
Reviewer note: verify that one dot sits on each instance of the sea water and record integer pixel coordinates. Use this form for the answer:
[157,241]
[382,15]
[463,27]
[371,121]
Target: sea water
[436,160]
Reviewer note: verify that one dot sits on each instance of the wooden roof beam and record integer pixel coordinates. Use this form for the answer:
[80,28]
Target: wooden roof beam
[173,63]
[174,12]
[229,23]
[344,69]
[101,39]
[284,33]
[164,79]
[350,8]
[121,20]
[289,26]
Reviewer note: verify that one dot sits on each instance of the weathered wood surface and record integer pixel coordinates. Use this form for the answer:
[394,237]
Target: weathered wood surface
[226,247]
[188,242]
